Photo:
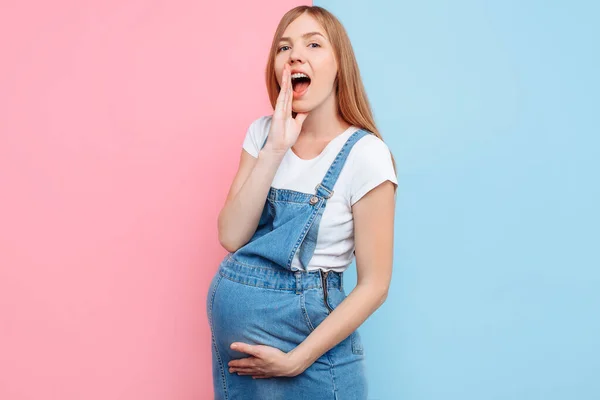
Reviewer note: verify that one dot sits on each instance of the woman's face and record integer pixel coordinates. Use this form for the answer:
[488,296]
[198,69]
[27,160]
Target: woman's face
[306,48]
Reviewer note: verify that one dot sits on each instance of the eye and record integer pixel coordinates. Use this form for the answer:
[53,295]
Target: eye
[282,47]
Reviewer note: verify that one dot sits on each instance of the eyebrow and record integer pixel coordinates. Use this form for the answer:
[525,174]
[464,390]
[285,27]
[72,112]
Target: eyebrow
[306,35]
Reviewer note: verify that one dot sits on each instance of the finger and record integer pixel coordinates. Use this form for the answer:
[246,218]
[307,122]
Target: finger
[247,362]
[290,96]
[246,371]
[279,106]
[286,90]
[242,362]
[284,77]
[245,348]
[250,372]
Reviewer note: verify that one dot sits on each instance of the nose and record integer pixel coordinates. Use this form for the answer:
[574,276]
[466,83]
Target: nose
[296,54]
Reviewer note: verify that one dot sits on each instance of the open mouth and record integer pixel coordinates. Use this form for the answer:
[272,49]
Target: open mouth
[300,84]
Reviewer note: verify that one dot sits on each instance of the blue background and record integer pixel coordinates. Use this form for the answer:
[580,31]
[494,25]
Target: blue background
[491,110]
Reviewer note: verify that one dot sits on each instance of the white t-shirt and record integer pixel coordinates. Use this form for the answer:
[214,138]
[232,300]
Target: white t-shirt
[368,165]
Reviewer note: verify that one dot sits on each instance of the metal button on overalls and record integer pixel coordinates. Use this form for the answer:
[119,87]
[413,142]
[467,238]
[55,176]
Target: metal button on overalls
[314,200]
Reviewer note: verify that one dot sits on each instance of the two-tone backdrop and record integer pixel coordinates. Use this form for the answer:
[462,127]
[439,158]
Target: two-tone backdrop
[121,125]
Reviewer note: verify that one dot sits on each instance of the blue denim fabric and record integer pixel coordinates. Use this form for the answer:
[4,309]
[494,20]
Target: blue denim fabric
[257,298]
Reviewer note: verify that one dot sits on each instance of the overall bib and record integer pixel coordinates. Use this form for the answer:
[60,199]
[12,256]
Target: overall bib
[257,297]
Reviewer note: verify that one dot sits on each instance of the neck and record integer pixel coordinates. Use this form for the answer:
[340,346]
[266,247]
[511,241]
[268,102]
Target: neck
[324,122]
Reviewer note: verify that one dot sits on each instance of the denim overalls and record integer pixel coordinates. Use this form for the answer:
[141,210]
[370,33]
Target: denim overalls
[257,298]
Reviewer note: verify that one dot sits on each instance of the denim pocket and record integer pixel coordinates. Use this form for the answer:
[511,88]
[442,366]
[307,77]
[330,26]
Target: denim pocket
[332,298]
[313,308]
[357,347]
[319,303]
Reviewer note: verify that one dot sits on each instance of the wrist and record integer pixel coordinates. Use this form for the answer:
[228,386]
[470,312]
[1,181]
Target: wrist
[271,155]
[299,360]
[266,152]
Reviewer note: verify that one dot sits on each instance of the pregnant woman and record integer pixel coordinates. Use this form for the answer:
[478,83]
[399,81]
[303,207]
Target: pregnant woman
[315,188]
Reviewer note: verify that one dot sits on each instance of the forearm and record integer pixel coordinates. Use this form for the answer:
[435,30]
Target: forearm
[239,218]
[345,319]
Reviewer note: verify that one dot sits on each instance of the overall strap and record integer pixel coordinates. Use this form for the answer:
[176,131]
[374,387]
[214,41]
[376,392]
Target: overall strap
[325,188]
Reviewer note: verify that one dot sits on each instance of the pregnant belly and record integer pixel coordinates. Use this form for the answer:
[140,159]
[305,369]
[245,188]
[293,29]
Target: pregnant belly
[255,315]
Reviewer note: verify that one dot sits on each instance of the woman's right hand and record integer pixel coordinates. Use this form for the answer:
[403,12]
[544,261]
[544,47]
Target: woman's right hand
[284,129]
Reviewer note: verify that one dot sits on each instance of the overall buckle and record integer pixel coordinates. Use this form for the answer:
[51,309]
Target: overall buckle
[327,190]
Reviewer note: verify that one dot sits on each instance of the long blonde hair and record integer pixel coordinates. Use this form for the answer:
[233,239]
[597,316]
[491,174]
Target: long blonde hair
[353,104]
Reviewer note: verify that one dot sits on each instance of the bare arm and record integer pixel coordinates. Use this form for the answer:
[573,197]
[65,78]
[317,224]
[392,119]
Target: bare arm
[241,213]
[246,198]
[374,236]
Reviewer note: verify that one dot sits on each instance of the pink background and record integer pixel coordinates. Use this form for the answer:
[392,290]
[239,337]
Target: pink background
[121,124]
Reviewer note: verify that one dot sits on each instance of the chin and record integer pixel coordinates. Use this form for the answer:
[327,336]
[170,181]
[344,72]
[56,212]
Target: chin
[301,108]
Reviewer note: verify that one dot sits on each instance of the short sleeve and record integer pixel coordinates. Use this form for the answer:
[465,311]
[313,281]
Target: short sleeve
[371,166]
[256,134]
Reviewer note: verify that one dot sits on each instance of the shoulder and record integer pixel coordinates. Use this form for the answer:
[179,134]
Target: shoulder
[369,149]
[370,164]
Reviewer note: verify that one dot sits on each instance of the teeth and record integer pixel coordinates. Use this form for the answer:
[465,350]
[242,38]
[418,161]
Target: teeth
[299,75]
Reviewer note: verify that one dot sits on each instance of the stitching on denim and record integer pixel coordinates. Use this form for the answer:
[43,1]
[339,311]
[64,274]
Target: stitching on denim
[293,192]
[310,223]
[221,369]
[250,265]
[214,341]
[290,201]
[231,278]
[332,287]
[212,298]
[302,236]
[305,313]
[331,370]
[337,158]
[271,209]
[341,154]
[357,347]
[230,257]
[320,186]
[328,301]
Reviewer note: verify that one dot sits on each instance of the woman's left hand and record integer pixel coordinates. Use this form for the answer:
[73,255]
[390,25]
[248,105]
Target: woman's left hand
[265,362]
